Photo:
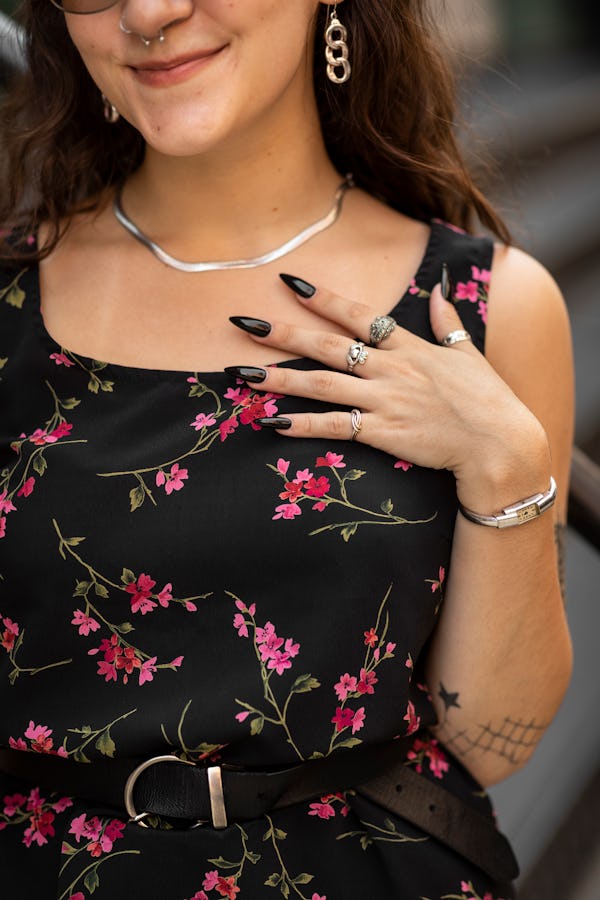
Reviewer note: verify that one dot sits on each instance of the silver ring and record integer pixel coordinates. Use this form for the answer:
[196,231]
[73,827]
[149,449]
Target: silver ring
[357,353]
[381,327]
[145,40]
[455,337]
[356,419]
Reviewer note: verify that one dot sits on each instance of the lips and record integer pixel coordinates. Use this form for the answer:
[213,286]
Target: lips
[160,73]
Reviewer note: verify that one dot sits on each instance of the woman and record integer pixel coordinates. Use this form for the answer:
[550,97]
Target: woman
[251,511]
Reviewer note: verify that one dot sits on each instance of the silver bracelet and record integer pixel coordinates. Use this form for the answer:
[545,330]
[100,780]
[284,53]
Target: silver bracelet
[517,513]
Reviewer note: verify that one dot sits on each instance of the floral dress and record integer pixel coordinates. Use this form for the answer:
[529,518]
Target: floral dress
[173,579]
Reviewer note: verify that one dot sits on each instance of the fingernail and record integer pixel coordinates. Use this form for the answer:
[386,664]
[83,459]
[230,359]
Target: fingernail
[275,422]
[298,285]
[446,284]
[247,373]
[258,327]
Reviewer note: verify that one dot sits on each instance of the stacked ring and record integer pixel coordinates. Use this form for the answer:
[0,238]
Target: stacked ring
[381,327]
[455,337]
[356,419]
[357,353]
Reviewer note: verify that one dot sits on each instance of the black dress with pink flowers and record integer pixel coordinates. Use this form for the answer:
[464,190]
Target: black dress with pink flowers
[175,579]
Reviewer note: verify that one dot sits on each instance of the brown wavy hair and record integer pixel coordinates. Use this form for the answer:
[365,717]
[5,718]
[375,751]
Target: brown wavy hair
[391,125]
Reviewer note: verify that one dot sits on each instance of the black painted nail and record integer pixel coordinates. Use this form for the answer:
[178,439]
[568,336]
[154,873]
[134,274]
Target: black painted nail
[446,284]
[247,373]
[275,422]
[298,285]
[258,327]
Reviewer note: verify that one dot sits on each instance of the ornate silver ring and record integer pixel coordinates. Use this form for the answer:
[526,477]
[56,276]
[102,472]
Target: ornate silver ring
[357,353]
[356,419]
[455,337]
[381,327]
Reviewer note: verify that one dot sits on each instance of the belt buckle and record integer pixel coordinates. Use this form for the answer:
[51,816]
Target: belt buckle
[215,790]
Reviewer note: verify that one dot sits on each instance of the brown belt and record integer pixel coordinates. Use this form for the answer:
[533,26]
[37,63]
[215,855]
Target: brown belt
[216,795]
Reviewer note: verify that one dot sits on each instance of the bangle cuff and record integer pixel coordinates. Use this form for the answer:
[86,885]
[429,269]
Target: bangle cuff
[517,513]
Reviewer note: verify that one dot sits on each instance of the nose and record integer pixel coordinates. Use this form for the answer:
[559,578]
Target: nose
[148,18]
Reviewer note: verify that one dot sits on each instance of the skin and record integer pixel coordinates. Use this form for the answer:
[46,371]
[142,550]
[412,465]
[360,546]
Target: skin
[239,142]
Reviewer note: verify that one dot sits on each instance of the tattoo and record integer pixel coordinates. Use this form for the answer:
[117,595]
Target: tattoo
[560,533]
[514,740]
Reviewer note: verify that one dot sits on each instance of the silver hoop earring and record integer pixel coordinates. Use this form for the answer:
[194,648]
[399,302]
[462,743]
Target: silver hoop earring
[336,51]
[111,113]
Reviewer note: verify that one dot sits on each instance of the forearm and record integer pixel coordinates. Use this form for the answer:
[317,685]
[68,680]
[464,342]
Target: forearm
[501,645]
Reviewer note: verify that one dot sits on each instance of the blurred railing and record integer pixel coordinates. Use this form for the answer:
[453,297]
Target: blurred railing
[562,119]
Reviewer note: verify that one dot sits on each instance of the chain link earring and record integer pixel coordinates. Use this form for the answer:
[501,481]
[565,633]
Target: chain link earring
[111,113]
[336,51]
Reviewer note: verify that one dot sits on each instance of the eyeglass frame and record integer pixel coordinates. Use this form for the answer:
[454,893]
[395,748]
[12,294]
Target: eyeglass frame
[81,12]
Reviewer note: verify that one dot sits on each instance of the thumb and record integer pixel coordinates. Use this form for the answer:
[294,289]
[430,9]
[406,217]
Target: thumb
[444,317]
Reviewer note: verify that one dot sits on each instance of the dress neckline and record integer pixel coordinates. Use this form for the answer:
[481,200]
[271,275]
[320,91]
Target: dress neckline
[168,374]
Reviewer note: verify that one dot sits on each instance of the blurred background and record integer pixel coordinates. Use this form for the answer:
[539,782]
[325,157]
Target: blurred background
[530,97]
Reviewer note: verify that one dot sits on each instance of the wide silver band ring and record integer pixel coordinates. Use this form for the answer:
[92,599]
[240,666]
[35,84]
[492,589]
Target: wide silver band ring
[357,354]
[455,337]
[356,420]
[381,328]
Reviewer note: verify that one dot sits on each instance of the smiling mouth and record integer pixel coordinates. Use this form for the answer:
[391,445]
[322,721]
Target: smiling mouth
[163,72]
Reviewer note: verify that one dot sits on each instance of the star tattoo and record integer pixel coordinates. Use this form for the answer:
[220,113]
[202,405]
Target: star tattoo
[448,699]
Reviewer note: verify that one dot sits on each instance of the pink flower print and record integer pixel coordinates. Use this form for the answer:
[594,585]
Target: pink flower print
[389,648]
[107,669]
[61,360]
[343,718]
[199,895]
[483,275]
[165,595]
[437,760]
[263,634]
[176,662]
[228,427]
[332,460]
[12,804]
[287,511]
[366,682]
[240,623]
[40,437]
[61,430]
[237,395]
[414,721]
[9,635]
[322,810]
[270,645]
[147,670]
[2,526]
[77,896]
[242,716]
[358,720]
[319,896]
[319,506]
[317,487]
[303,475]
[27,487]
[40,829]
[280,662]
[467,291]
[62,804]
[346,685]
[85,622]
[413,287]
[226,887]
[18,744]
[371,637]
[283,466]
[175,479]
[403,464]
[210,880]
[482,311]
[141,591]
[128,661]
[191,607]
[292,491]
[291,648]
[39,735]
[6,505]
[409,662]
[203,421]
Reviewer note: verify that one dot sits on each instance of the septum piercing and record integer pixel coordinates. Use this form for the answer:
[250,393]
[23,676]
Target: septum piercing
[145,40]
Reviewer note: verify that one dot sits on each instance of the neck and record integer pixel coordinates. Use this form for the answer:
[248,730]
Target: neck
[239,202]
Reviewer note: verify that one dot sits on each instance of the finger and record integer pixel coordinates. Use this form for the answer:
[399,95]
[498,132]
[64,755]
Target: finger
[355,316]
[320,384]
[445,320]
[323,346]
[334,426]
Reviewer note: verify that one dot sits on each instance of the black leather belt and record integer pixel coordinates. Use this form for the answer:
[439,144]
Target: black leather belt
[215,795]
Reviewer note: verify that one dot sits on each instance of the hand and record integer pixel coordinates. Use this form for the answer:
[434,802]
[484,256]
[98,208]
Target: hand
[438,407]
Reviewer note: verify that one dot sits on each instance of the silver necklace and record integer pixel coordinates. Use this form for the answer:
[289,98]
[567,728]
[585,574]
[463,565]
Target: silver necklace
[305,235]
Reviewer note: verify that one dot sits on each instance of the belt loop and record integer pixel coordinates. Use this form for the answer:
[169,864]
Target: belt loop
[217,798]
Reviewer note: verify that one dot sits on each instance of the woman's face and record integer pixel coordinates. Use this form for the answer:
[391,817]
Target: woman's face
[227,69]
